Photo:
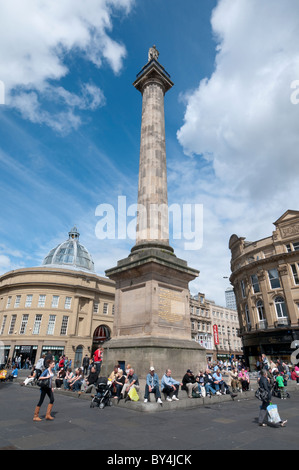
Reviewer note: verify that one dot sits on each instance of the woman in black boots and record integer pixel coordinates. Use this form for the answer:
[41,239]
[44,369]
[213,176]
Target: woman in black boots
[46,389]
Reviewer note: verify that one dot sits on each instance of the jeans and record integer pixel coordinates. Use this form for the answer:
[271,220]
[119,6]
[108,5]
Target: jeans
[77,386]
[210,389]
[66,384]
[155,390]
[98,366]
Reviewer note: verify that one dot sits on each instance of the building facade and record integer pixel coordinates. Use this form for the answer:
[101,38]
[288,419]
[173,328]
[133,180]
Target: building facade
[265,277]
[227,322]
[204,314]
[230,298]
[63,306]
[201,330]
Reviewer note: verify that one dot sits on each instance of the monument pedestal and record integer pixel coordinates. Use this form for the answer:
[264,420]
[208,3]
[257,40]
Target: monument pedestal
[162,353]
[152,317]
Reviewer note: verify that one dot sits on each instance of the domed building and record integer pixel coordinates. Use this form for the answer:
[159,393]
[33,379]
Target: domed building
[62,306]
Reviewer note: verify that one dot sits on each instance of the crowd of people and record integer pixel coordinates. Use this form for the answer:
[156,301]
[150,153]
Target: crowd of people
[219,378]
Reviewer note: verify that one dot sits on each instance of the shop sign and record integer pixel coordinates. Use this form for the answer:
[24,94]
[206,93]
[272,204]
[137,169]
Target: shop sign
[25,349]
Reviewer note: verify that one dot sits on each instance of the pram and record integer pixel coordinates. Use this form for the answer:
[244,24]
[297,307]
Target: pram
[103,395]
[277,393]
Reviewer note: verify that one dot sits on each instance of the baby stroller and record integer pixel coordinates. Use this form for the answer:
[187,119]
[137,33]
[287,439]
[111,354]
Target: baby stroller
[277,393]
[103,395]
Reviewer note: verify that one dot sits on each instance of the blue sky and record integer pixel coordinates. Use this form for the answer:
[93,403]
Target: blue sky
[70,125]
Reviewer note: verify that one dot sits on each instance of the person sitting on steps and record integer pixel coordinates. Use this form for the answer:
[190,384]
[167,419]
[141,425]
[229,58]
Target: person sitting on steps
[170,386]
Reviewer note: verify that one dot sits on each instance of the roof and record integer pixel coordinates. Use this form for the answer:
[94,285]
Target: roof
[70,254]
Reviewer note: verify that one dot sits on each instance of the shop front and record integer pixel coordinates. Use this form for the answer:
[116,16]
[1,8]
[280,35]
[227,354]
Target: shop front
[275,345]
[26,352]
[56,351]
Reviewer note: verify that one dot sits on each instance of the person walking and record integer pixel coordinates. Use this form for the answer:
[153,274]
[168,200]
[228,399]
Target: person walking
[264,384]
[46,390]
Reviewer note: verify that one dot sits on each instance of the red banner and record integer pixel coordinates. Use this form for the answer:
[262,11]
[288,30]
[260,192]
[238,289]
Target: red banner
[216,336]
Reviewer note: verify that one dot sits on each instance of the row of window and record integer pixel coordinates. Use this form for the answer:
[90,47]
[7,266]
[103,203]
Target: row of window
[198,311]
[105,308]
[235,345]
[54,304]
[36,326]
[200,326]
[221,330]
[41,301]
[274,280]
[280,308]
[294,246]
[226,315]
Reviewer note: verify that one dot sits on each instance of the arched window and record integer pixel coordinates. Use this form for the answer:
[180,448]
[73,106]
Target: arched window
[281,309]
[260,310]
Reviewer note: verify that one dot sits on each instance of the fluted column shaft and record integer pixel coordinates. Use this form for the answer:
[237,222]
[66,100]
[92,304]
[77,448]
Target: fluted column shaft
[152,221]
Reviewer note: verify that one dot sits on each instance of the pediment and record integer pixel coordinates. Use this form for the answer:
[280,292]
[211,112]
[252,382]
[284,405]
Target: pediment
[288,216]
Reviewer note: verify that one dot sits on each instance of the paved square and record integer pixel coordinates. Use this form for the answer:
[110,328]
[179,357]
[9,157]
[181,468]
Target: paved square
[219,426]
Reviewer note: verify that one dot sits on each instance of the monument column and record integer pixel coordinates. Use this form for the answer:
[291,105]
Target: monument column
[152,221]
[152,318]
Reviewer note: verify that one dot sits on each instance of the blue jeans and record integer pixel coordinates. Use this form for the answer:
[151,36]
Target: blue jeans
[155,390]
[66,384]
[210,389]
[77,386]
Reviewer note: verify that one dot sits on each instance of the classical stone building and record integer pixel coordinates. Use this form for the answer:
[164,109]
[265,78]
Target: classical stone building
[265,276]
[62,306]
[65,307]
[204,314]
[230,298]
[228,327]
[201,324]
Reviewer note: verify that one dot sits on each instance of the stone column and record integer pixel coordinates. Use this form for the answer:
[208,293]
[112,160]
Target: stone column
[152,320]
[152,220]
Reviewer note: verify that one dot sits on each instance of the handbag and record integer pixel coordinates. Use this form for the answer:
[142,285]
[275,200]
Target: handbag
[43,383]
[262,394]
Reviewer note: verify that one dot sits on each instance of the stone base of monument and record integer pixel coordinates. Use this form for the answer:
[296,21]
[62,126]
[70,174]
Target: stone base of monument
[161,353]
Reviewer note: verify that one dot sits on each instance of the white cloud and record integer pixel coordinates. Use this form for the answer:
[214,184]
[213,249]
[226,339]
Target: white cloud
[241,132]
[37,35]
[242,118]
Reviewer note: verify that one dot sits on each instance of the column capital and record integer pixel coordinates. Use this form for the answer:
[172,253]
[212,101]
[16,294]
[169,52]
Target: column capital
[153,71]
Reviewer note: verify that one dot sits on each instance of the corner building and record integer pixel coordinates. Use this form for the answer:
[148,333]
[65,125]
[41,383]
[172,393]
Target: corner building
[265,277]
[63,306]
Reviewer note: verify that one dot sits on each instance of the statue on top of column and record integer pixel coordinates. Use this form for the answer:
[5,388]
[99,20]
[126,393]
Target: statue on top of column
[153,53]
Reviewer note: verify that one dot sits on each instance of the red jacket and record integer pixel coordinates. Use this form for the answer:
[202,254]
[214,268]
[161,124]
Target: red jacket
[98,356]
